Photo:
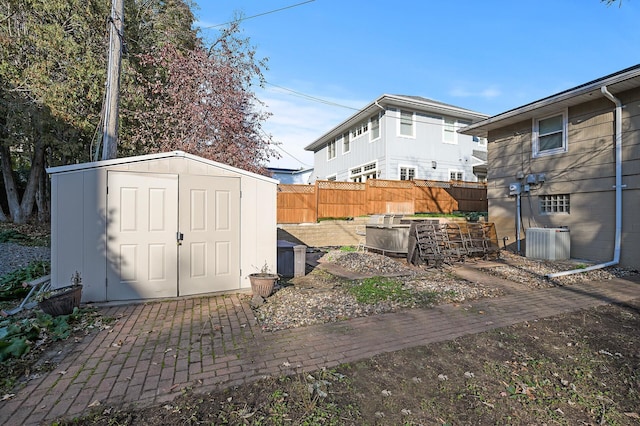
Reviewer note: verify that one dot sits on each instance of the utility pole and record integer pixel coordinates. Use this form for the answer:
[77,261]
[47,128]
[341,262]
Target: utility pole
[112,95]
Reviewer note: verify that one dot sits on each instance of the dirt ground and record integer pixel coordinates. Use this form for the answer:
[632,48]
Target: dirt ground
[581,368]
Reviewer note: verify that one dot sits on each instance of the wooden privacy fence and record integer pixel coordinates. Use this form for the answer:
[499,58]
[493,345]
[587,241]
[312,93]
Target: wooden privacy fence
[326,199]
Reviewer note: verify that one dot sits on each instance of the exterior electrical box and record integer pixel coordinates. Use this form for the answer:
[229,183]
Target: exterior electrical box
[548,243]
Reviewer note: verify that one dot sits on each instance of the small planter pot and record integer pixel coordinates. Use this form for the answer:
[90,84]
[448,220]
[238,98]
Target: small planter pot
[262,284]
[62,301]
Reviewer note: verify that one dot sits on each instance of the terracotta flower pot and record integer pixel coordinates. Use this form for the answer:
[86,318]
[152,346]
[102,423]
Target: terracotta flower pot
[262,283]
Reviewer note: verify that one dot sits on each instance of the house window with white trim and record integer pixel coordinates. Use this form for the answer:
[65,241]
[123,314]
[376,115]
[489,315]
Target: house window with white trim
[456,175]
[360,129]
[332,178]
[375,127]
[331,150]
[406,123]
[346,145]
[449,130]
[550,204]
[407,173]
[480,141]
[550,135]
[362,173]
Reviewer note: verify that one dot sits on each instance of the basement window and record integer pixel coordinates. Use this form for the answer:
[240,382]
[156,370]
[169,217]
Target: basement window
[552,204]
[407,173]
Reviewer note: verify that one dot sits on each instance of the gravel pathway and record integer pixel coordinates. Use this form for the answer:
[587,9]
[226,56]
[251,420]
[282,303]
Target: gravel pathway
[321,296]
[325,296]
[14,256]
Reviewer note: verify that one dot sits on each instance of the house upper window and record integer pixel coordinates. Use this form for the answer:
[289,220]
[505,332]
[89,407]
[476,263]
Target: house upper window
[331,150]
[406,123]
[480,141]
[550,204]
[449,130]
[550,135]
[407,173]
[360,129]
[346,147]
[375,127]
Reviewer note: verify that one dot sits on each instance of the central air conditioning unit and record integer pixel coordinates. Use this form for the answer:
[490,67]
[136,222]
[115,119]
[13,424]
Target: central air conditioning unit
[548,243]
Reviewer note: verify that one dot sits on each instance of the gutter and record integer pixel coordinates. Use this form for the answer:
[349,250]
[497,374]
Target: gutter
[567,95]
[618,186]
[426,105]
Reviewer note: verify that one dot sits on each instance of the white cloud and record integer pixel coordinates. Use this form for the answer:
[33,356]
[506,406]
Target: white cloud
[488,93]
[297,121]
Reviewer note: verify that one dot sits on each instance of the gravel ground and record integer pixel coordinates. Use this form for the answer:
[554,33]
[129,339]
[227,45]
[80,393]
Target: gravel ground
[322,297]
[532,272]
[14,256]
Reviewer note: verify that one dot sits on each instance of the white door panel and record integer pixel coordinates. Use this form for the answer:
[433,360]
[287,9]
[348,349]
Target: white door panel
[210,223]
[141,235]
[146,213]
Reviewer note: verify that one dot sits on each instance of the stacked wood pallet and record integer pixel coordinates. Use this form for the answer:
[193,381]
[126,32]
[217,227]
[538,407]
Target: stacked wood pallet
[435,243]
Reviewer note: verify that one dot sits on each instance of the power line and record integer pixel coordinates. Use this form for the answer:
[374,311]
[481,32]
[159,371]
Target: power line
[260,14]
[278,145]
[331,103]
[290,155]
[312,98]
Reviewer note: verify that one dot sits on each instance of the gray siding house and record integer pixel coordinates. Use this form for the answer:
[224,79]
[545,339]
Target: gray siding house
[574,159]
[402,138]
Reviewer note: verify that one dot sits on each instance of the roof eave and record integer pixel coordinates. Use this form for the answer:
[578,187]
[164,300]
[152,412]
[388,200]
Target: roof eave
[622,80]
[393,100]
[147,157]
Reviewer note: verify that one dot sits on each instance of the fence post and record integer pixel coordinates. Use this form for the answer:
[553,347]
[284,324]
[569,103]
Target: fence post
[317,198]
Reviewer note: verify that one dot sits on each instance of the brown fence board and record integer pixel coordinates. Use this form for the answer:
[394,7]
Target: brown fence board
[330,199]
[389,196]
[296,204]
[434,200]
[340,199]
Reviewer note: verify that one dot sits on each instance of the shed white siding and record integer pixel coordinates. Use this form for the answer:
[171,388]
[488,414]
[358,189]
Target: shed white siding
[80,220]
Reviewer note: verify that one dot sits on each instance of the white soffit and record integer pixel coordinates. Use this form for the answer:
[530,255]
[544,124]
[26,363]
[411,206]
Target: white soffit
[616,83]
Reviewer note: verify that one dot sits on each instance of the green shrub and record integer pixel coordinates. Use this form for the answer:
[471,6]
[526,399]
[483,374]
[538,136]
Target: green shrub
[11,284]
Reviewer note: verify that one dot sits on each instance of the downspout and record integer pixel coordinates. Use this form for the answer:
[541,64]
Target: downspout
[618,187]
[386,145]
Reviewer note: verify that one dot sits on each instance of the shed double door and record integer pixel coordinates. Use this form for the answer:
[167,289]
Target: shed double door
[171,235]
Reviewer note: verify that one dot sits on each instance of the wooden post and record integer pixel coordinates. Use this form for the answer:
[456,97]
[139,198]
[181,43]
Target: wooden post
[112,95]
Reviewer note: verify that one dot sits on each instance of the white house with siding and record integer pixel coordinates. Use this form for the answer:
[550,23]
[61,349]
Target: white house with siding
[402,138]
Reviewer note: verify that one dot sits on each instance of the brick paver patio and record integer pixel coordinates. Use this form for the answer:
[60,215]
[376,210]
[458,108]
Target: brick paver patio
[155,350]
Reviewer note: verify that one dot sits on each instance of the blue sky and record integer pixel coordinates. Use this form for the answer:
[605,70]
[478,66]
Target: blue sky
[489,56]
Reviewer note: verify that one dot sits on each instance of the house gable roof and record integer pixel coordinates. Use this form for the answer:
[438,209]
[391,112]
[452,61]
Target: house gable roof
[148,157]
[620,81]
[415,103]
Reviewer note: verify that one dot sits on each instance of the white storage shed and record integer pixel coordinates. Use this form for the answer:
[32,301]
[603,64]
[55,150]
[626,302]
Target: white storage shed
[160,225]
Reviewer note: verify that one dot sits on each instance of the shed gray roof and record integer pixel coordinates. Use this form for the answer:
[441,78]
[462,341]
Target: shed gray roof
[149,157]
[620,81]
